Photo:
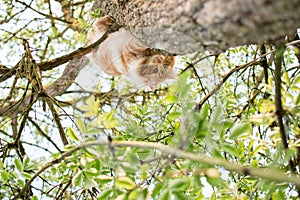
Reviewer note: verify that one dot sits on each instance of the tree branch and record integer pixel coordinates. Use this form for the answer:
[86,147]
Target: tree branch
[57,88]
[215,25]
[225,77]
[44,66]
[57,121]
[279,110]
[270,174]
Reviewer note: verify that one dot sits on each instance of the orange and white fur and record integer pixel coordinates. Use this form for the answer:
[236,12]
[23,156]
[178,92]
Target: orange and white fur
[122,54]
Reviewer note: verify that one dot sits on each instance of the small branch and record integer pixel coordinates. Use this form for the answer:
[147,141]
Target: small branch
[225,77]
[255,93]
[44,66]
[279,109]
[43,133]
[57,88]
[270,174]
[43,14]
[278,104]
[57,121]
[76,54]
[264,62]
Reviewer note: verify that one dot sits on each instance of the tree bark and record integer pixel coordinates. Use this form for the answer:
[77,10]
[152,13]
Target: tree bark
[183,26]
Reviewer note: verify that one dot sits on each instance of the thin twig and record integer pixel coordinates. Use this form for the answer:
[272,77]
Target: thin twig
[270,174]
[44,134]
[57,121]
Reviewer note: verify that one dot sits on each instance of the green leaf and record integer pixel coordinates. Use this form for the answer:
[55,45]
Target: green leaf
[77,179]
[108,120]
[297,99]
[26,161]
[4,176]
[213,181]
[180,196]
[72,134]
[216,115]
[173,116]
[165,195]
[231,150]
[125,182]
[204,111]
[257,149]
[21,183]
[91,109]
[26,175]
[91,172]
[279,195]
[1,165]
[18,165]
[105,194]
[171,99]
[90,182]
[138,194]
[80,125]
[34,198]
[179,185]
[133,159]
[239,129]
[102,179]
[156,190]
[286,78]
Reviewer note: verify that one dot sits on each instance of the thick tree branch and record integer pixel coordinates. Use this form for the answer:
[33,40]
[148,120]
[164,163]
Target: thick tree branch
[216,25]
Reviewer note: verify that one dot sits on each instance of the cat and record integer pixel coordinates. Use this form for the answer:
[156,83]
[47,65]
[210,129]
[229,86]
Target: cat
[122,54]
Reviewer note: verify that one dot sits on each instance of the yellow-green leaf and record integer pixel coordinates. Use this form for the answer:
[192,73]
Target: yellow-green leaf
[91,109]
[239,129]
[4,175]
[77,179]
[26,175]
[173,116]
[230,149]
[125,182]
[18,165]
[286,78]
[72,134]
[171,99]
[80,125]
[89,182]
[108,120]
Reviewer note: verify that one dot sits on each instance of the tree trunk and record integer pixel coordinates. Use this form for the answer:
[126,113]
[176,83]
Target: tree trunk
[183,26]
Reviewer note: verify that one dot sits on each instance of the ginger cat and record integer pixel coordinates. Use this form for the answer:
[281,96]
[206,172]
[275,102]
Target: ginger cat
[122,54]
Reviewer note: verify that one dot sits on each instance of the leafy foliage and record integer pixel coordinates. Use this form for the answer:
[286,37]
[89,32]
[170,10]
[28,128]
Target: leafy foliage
[222,107]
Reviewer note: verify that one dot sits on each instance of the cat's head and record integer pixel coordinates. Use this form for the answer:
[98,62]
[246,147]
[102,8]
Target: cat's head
[156,69]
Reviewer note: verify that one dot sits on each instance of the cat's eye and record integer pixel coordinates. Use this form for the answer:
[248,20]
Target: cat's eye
[165,66]
[155,70]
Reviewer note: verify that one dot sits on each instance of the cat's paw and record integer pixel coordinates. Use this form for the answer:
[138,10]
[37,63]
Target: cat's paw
[102,24]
